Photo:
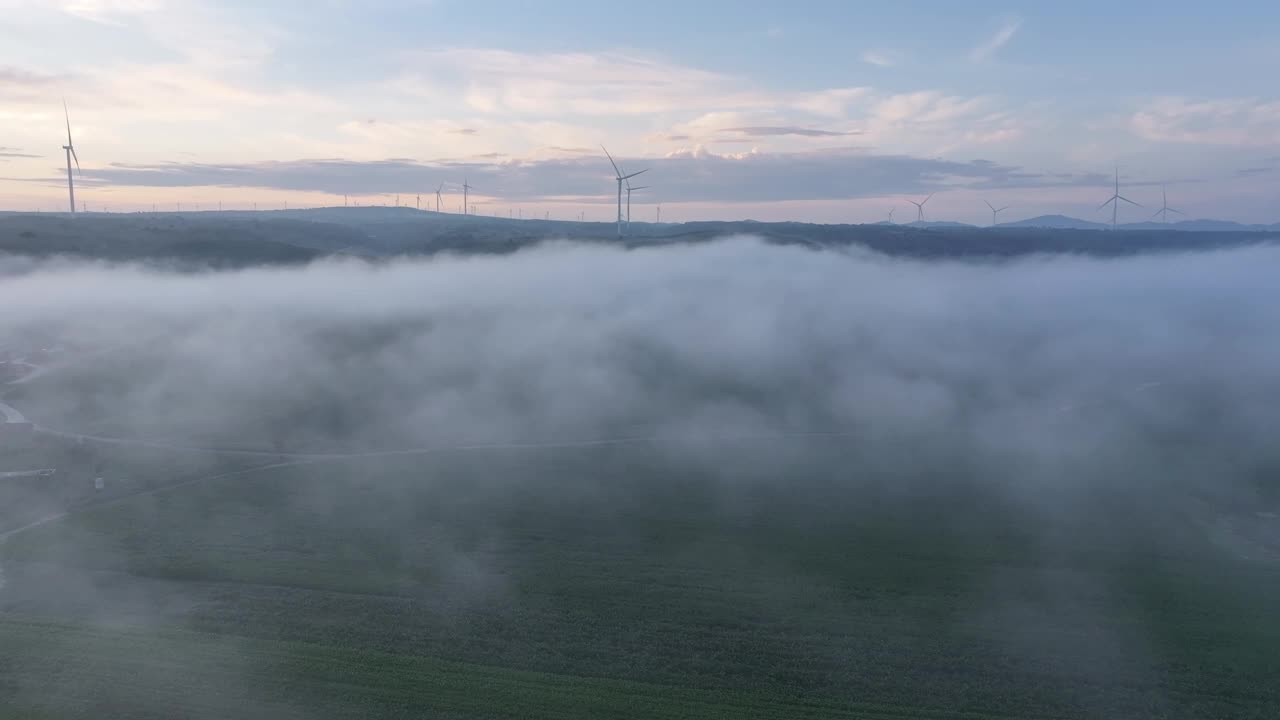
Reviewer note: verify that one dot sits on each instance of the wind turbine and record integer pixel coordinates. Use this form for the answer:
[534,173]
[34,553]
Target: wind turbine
[891,211]
[438,196]
[466,188]
[629,190]
[920,207]
[71,153]
[1164,210]
[995,212]
[621,179]
[1114,202]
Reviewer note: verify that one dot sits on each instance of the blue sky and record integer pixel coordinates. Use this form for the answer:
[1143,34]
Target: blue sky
[824,111]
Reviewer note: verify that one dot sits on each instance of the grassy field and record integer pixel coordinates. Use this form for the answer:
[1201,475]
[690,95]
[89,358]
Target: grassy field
[608,583]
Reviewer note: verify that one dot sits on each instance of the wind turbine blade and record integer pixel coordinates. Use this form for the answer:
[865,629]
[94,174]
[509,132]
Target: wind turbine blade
[926,200]
[628,177]
[1128,201]
[1175,211]
[1155,214]
[77,159]
[991,206]
[67,115]
[1006,207]
[611,162]
[1108,202]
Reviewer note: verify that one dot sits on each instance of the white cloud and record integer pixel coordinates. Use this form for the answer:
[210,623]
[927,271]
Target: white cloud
[470,137]
[1008,28]
[833,102]
[110,12]
[501,81]
[1232,121]
[926,108]
[879,58]
[925,122]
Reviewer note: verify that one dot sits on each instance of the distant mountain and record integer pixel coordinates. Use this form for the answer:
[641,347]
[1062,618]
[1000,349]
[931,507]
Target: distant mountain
[243,239]
[1062,222]
[1218,226]
[177,241]
[939,225]
[1055,222]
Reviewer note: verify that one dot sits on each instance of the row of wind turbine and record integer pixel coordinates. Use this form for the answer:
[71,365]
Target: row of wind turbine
[1114,201]
[624,183]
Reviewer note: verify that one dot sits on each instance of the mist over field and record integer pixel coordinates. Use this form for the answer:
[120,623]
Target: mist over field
[593,460]
[1049,358]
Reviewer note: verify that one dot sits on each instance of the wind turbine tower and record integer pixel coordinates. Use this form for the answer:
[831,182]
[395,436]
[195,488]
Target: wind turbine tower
[71,153]
[920,207]
[1164,210]
[466,188]
[438,196]
[621,179]
[1114,202]
[995,212]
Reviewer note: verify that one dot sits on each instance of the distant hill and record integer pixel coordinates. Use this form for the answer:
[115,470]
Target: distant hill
[241,239]
[1062,222]
[1220,226]
[1058,222]
[177,241]
[938,225]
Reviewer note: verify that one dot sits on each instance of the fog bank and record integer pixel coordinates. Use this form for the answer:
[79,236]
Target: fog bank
[1022,365]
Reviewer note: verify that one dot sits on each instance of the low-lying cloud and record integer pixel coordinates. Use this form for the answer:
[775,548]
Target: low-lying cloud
[1037,364]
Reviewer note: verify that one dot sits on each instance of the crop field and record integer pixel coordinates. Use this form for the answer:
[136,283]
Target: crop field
[612,583]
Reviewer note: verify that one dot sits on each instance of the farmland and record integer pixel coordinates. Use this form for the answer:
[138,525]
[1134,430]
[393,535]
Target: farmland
[607,583]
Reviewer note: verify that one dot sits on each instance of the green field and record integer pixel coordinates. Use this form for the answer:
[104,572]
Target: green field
[613,583]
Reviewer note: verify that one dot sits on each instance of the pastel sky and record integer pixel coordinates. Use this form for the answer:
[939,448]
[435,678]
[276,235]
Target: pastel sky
[825,110]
